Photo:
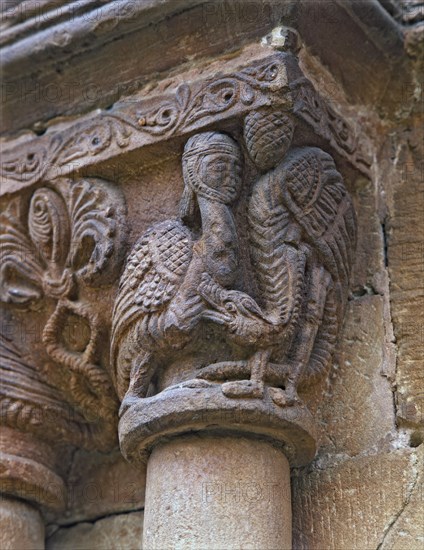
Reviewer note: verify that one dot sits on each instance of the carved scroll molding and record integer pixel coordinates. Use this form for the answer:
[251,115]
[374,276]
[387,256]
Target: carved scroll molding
[406,12]
[61,246]
[133,124]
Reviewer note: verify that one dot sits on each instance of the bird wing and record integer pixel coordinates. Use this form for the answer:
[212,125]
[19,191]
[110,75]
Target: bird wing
[302,201]
[156,265]
[314,192]
[278,263]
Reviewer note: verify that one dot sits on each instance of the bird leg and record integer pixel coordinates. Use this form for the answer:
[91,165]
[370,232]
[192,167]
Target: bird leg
[275,373]
[140,378]
[255,386]
[320,280]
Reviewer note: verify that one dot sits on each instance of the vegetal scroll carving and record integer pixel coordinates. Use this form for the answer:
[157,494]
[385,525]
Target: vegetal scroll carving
[67,238]
[188,107]
[275,81]
[84,139]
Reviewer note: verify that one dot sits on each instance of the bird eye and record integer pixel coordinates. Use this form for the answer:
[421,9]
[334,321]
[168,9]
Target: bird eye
[229,306]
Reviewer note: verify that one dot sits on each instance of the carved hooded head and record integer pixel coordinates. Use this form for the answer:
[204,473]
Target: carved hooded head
[212,164]
[268,136]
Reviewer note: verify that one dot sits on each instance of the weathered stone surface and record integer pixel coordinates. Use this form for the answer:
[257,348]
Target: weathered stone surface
[406,268]
[368,267]
[101,485]
[360,70]
[83,55]
[120,532]
[21,525]
[407,530]
[358,413]
[217,493]
[354,504]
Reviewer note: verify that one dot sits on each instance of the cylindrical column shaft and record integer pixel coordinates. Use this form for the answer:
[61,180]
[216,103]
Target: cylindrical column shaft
[217,492]
[21,525]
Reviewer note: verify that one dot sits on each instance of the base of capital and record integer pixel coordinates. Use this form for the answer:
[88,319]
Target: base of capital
[185,409]
[28,470]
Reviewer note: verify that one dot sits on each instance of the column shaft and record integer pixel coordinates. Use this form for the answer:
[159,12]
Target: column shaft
[215,493]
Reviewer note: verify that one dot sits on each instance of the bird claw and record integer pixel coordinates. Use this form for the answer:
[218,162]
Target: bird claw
[225,370]
[283,398]
[216,317]
[243,388]
[192,384]
[128,401]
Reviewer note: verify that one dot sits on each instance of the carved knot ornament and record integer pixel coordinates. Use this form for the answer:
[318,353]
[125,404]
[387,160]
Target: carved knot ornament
[183,287]
[57,245]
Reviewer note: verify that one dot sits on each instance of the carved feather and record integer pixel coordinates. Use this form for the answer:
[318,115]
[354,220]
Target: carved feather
[155,267]
[278,266]
[302,204]
[314,193]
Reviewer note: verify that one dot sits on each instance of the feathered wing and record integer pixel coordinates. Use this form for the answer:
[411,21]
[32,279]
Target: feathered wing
[303,203]
[314,193]
[277,264]
[155,268]
[316,196]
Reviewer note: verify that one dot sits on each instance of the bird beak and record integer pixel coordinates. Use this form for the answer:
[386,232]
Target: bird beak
[252,310]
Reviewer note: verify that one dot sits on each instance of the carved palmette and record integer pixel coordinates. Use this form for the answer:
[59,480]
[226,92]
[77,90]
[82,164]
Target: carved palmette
[62,241]
[68,237]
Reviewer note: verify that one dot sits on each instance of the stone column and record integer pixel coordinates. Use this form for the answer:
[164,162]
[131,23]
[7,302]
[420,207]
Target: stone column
[218,473]
[217,492]
[214,347]
[29,483]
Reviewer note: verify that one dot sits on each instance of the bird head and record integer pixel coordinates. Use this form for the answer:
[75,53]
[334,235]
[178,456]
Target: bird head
[236,310]
[237,304]
[247,324]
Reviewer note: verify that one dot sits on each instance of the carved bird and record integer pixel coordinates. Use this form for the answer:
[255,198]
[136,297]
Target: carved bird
[158,303]
[302,234]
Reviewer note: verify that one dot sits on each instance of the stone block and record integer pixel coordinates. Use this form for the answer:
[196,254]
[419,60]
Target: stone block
[21,525]
[360,503]
[100,485]
[407,531]
[119,532]
[406,268]
[358,413]
[369,258]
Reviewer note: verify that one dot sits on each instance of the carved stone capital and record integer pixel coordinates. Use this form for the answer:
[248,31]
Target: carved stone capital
[61,246]
[226,315]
